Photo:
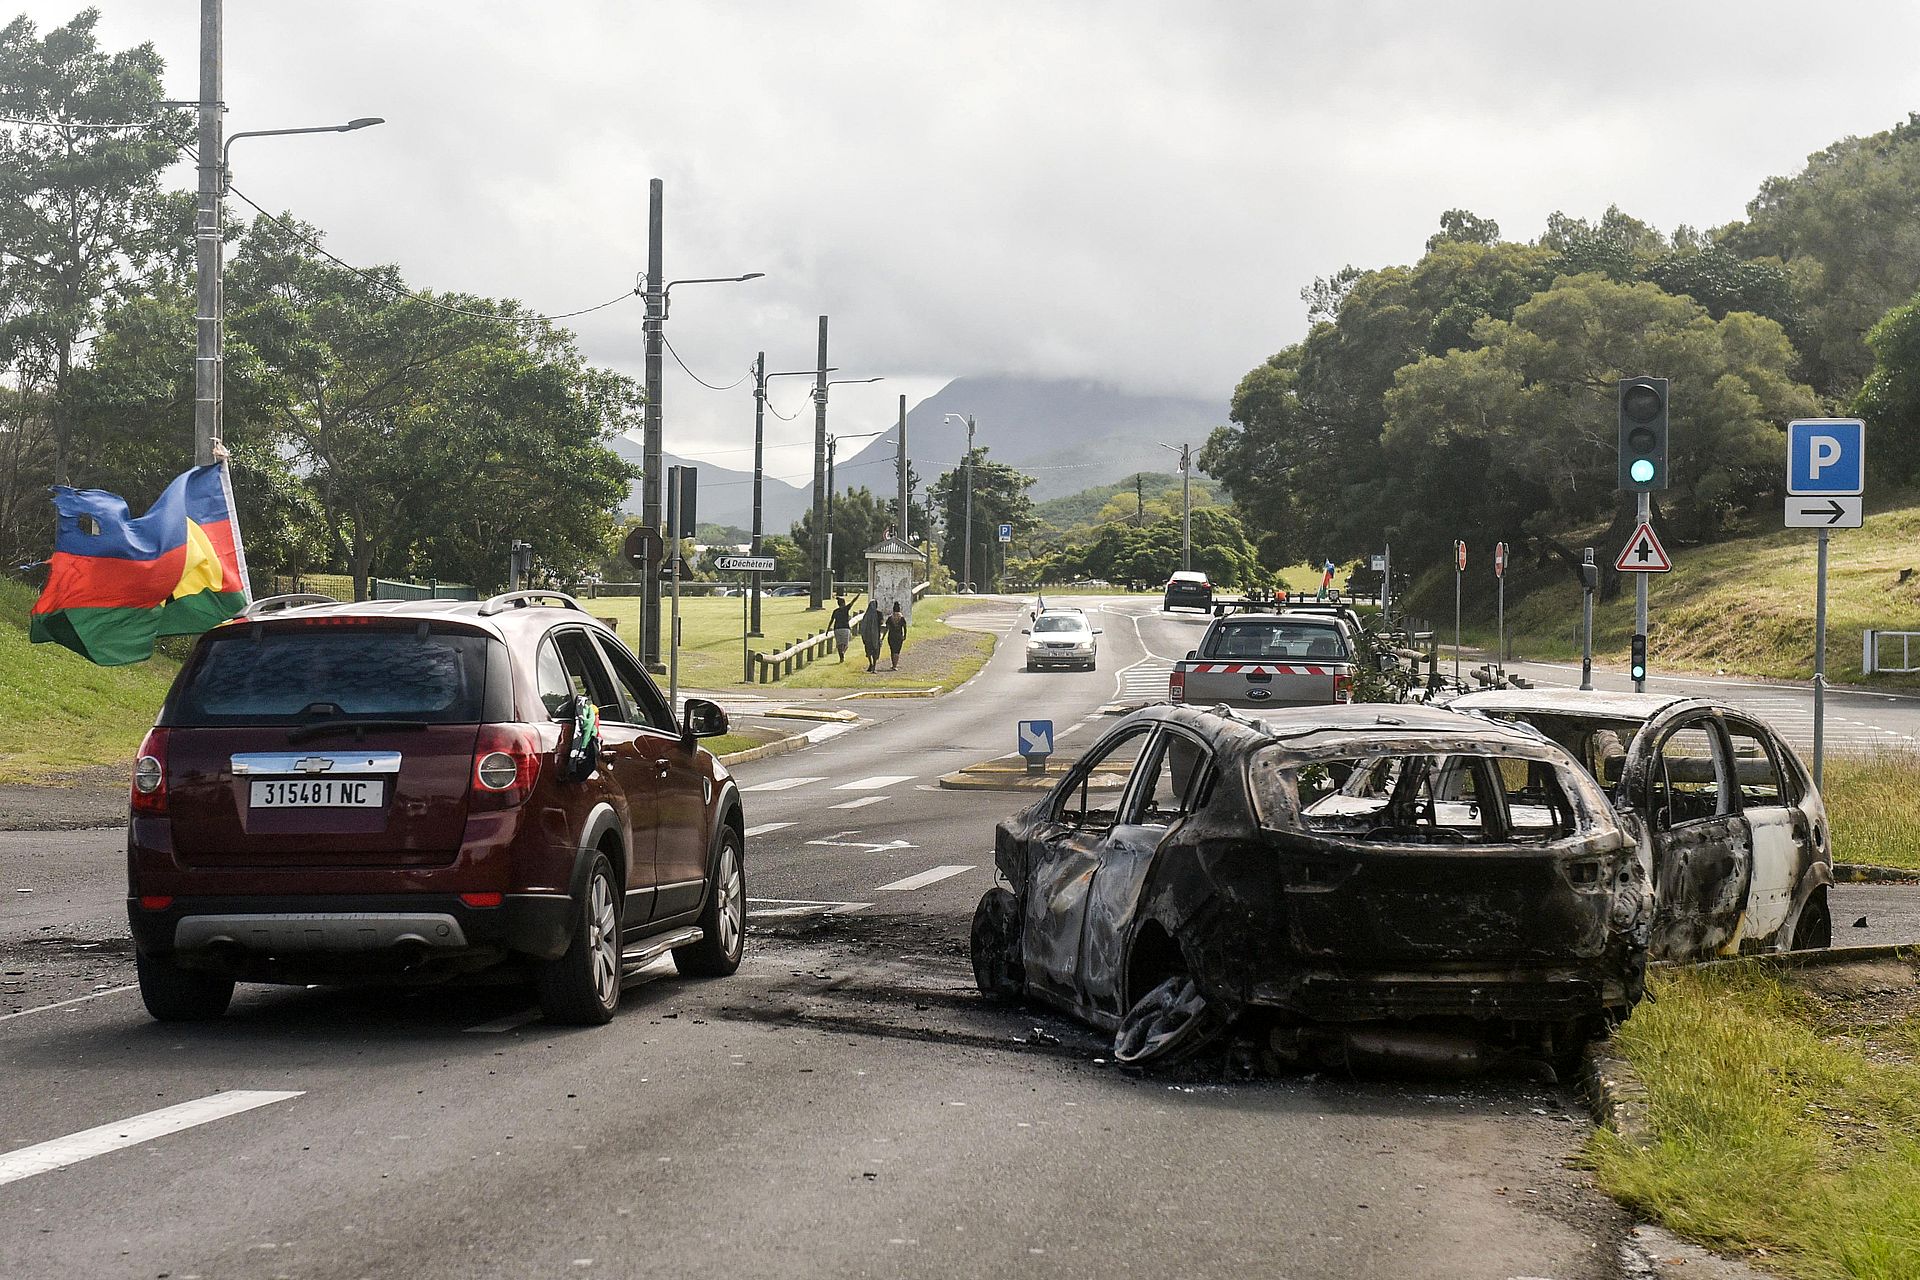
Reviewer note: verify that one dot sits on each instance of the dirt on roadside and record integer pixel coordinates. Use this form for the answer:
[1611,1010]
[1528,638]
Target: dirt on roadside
[68,802]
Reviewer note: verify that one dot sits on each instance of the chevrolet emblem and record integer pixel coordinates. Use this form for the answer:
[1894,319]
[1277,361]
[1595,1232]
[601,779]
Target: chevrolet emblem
[314,764]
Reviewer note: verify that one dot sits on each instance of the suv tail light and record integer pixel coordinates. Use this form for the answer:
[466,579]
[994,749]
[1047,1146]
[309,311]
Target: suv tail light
[149,795]
[506,764]
[1343,688]
[1177,686]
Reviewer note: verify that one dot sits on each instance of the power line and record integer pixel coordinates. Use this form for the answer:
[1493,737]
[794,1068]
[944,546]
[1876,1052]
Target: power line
[696,377]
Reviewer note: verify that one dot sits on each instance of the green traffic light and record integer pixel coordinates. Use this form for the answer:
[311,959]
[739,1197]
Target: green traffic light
[1641,470]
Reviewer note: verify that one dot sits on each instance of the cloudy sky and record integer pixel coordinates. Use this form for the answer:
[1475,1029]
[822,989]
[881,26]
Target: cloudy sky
[1130,192]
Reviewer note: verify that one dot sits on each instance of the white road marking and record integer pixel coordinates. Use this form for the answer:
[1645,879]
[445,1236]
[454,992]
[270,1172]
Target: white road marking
[874,783]
[766,827]
[57,1153]
[838,841]
[111,991]
[824,732]
[861,803]
[512,1022]
[766,908]
[781,784]
[921,881]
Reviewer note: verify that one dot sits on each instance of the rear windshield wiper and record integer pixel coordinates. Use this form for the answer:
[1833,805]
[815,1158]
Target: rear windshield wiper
[358,728]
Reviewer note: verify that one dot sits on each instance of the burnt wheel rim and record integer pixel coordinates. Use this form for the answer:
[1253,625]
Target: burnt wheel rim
[603,941]
[732,911]
[1168,1022]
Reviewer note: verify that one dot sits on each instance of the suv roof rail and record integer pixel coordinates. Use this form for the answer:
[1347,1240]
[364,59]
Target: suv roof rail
[273,604]
[521,599]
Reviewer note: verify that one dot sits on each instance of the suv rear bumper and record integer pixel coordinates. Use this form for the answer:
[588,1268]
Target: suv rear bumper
[362,926]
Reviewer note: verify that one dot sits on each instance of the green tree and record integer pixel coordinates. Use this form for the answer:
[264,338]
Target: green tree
[1890,400]
[859,520]
[999,497]
[82,212]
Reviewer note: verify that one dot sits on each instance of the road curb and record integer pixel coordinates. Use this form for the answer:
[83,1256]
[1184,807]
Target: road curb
[1869,873]
[1615,1095]
[778,747]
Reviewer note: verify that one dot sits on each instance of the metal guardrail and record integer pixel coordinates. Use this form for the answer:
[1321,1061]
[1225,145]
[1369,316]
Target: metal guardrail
[1871,660]
[395,589]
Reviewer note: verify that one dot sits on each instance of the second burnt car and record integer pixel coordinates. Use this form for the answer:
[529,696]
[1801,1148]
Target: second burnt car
[1729,828]
[1357,880]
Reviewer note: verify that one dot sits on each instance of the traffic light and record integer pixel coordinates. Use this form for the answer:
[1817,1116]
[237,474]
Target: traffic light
[1643,434]
[1637,667]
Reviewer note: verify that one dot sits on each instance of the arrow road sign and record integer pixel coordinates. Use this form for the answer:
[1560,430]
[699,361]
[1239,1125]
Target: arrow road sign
[1826,457]
[745,564]
[1036,737]
[1643,554]
[1824,513]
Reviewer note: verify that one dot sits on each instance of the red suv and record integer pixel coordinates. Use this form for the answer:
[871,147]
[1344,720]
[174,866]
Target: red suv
[422,791]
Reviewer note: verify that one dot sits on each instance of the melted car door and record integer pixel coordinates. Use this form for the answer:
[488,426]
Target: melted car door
[1167,788]
[1063,855]
[1702,848]
[1782,837]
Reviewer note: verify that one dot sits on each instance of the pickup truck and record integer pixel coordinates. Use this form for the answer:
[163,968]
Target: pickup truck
[1269,660]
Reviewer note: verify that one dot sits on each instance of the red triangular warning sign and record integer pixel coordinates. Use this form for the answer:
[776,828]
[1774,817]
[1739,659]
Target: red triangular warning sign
[1643,554]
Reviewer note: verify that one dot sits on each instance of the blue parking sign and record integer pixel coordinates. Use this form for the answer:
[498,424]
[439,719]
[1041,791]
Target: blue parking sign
[1826,457]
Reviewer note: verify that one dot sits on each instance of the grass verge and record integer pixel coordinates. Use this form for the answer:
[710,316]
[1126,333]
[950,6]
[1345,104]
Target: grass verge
[936,654]
[1786,1108]
[1870,801]
[59,713]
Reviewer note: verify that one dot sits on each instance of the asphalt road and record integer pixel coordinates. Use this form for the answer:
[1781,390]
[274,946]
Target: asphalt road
[845,1105]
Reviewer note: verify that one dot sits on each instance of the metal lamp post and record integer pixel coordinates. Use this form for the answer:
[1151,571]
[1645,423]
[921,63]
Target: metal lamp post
[760,379]
[1186,502]
[966,540]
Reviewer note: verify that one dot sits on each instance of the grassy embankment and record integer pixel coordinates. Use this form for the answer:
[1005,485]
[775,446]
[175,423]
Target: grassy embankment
[1786,1110]
[936,654]
[60,714]
[1741,607]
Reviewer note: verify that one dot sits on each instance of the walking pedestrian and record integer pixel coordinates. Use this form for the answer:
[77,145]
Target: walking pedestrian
[896,633]
[842,624]
[872,625]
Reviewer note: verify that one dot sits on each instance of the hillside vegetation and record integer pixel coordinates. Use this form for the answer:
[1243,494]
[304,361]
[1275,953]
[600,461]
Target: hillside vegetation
[60,714]
[1740,607]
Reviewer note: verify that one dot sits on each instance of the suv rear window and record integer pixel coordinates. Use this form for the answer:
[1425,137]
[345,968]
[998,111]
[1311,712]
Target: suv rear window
[1276,640]
[263,676]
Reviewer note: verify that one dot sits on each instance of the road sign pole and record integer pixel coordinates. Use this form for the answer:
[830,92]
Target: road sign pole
[1820,662]
[1500,657]
[747,582]
[1586,609]
[1457,575]
[1645,505]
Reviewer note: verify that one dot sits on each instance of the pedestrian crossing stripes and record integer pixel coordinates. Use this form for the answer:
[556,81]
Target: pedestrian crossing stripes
[766,828]
[1145,681]
[781,784]
[874,783]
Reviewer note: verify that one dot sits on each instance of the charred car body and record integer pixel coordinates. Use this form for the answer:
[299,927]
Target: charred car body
[1729,829]
[1365,879]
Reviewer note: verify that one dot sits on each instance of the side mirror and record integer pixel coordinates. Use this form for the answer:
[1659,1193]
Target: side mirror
[1026,631]
[703,719]
[583,738]
[1192,654]
[1099,631]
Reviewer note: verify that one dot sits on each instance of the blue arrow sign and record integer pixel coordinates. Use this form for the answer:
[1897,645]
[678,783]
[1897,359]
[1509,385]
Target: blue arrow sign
[1036,738]
[1826,457]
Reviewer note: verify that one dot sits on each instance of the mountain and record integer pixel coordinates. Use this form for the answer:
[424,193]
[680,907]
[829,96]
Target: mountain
[726,496]
[1069,434]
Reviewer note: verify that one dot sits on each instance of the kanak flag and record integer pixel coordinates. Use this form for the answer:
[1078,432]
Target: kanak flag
[1326,581]
[118,582]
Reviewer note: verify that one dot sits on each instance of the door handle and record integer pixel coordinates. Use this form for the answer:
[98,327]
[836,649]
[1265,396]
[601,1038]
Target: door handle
[660,768]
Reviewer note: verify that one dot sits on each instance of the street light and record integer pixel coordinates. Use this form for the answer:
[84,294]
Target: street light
[216,174]
[833,444]
[822,585]
[760,379]
[652,456]
[1186,502]
[966,538]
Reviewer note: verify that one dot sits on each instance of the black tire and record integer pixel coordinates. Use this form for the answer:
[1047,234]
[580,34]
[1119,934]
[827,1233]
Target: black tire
[724,918]
[1029,666]
[173,994]
[1814,929]
[997,969]
[581,988]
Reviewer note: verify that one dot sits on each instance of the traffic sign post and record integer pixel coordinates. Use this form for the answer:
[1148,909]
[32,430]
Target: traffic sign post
[1500,576]
[746,567]
[1826,481]
[1589,583]
[1035,740]
[1459,568]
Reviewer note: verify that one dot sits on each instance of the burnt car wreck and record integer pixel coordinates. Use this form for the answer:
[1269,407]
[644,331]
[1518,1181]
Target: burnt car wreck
[1345,884]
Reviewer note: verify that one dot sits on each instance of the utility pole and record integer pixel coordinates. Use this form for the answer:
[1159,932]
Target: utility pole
[816,594]
[759,465]
[833,448]
[1186,502]
[966,548]
[208,341]
[900,460]
[1139,500]
[652,458]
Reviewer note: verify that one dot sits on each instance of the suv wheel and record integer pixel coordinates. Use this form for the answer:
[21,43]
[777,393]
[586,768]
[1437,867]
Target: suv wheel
[997,968]
[582,987]
[173,994]
[724,919]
